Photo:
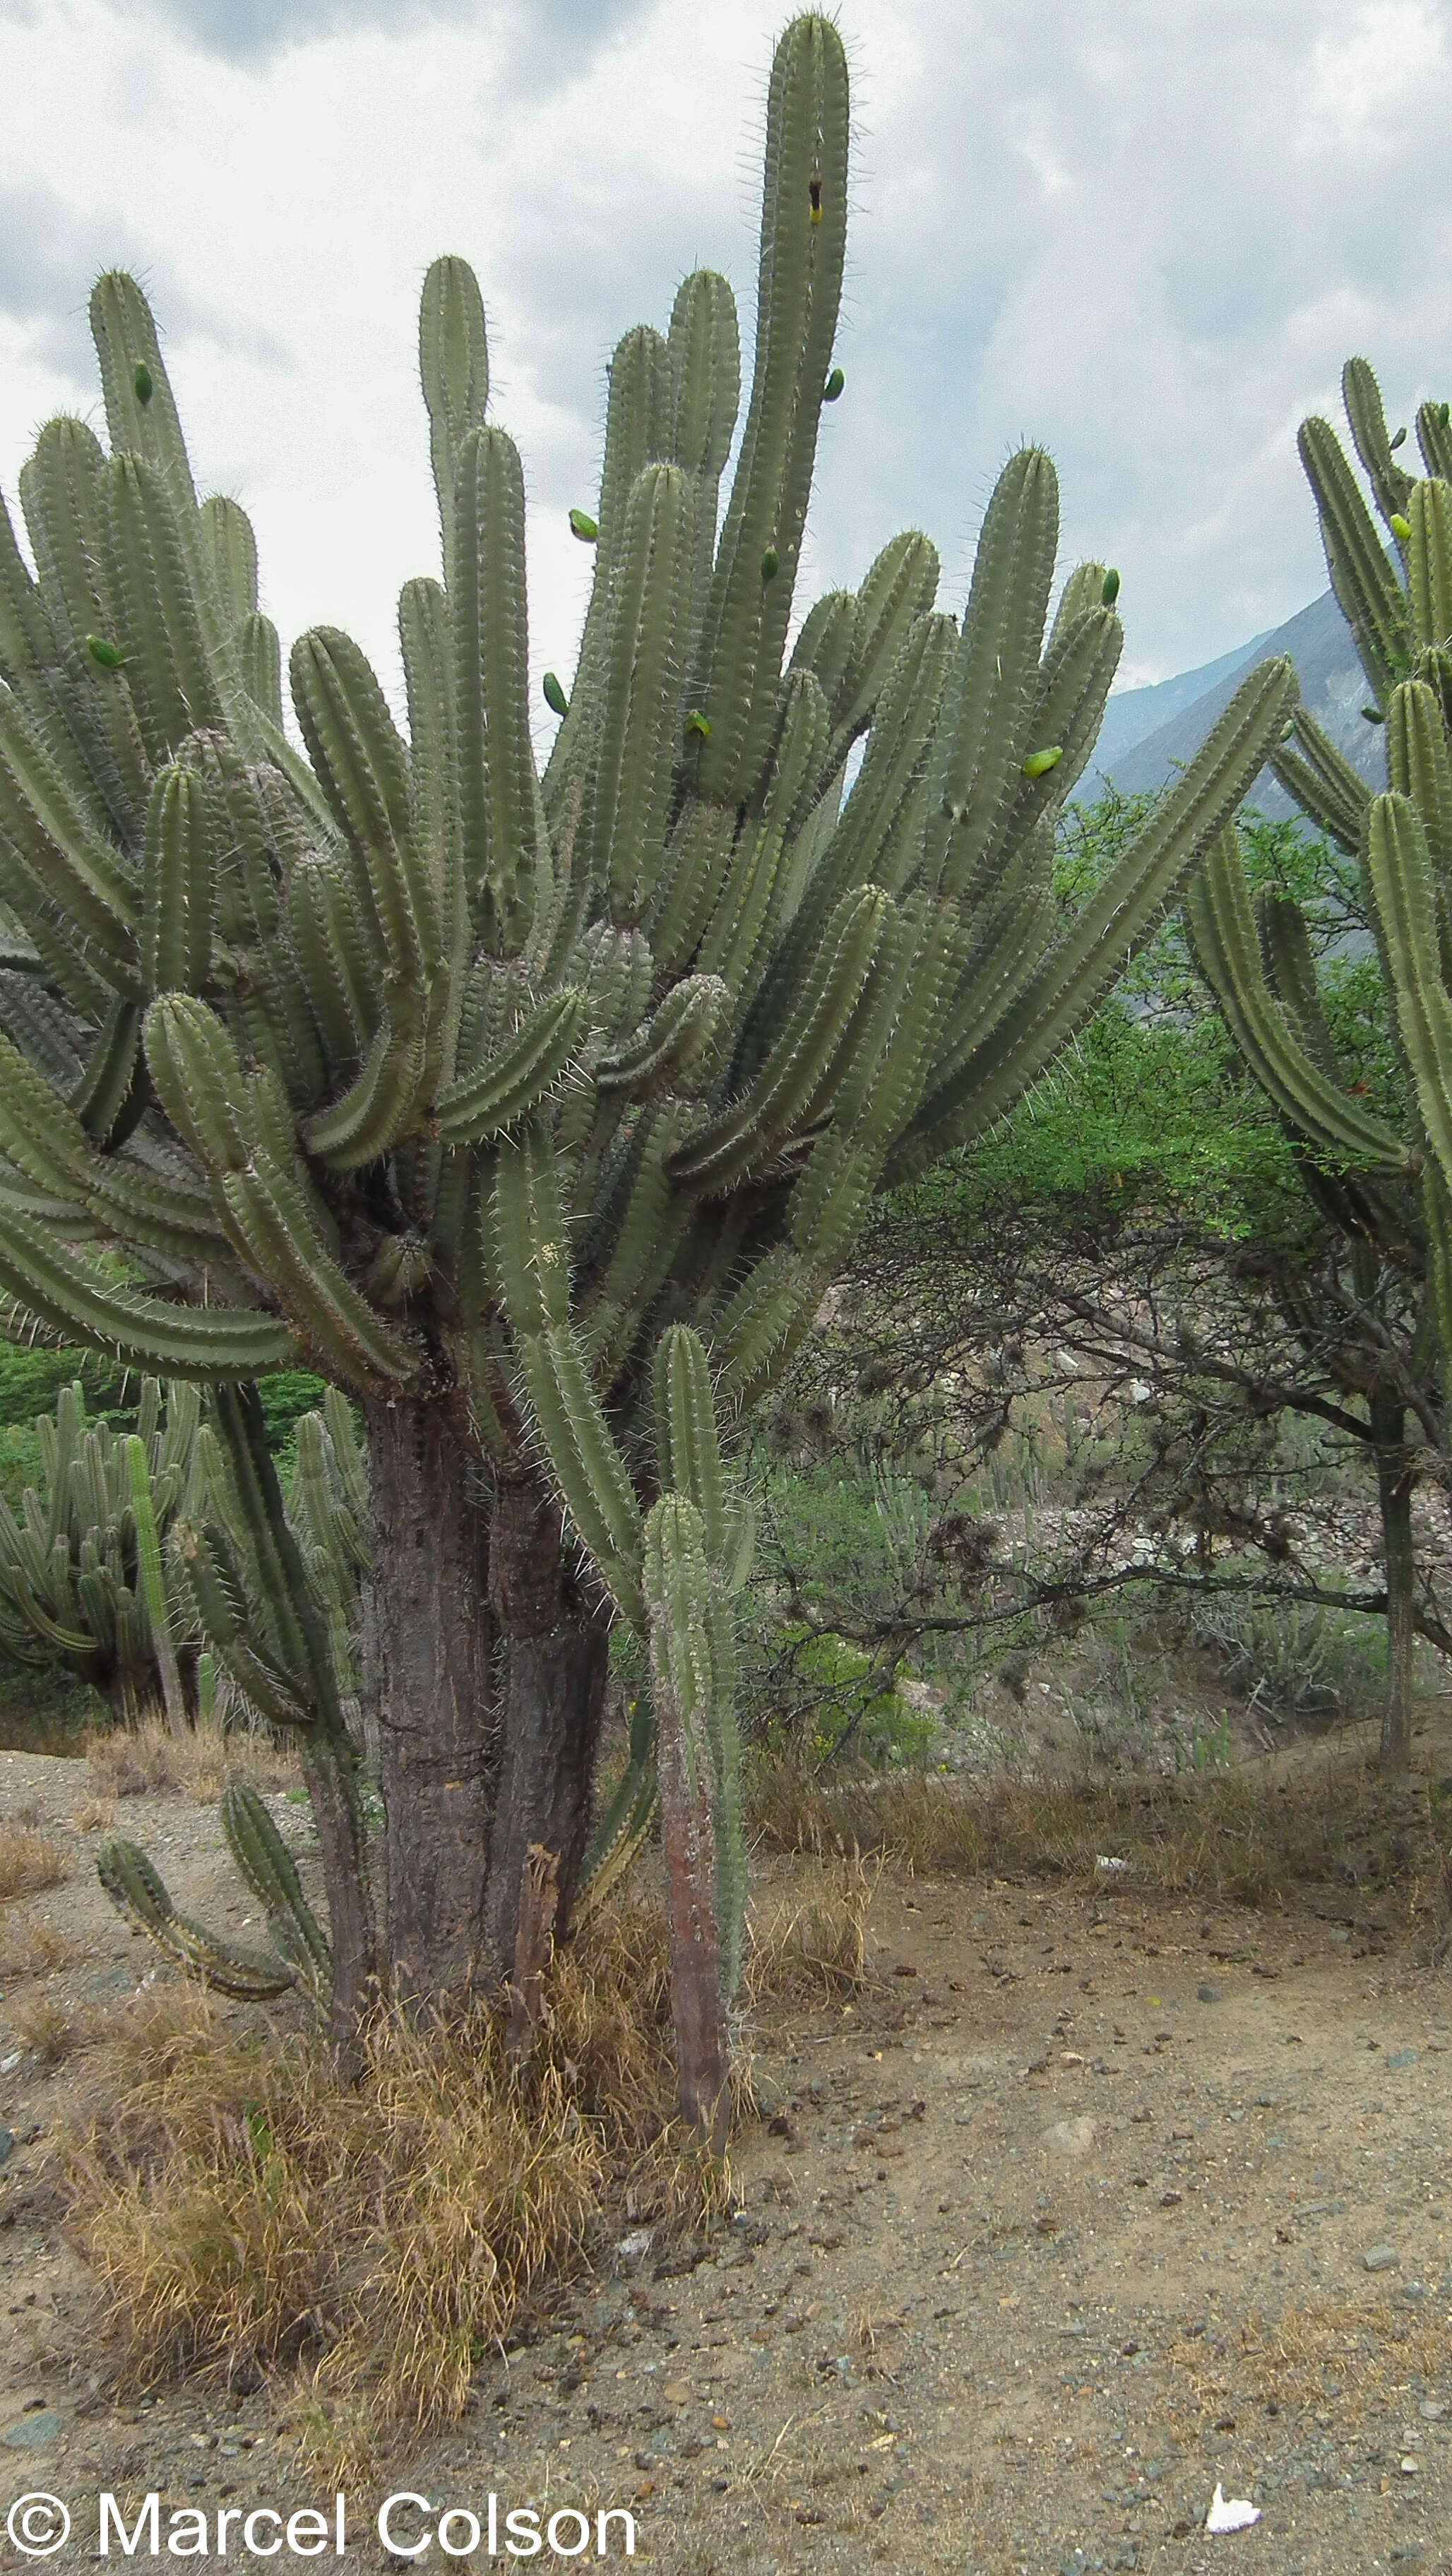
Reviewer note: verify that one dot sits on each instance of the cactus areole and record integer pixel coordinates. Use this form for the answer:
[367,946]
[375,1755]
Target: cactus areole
[537,1111]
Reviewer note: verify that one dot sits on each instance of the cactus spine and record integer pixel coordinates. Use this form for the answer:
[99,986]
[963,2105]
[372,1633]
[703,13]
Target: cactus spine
[468,1085]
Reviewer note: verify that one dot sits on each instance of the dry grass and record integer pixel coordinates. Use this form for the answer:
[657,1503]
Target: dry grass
[30,1949]
[1243,1834]
[814,1942]
[29,1861]
[1343,2360]
[46,2029]
[149,1761]
[93,1816]
[241,2208]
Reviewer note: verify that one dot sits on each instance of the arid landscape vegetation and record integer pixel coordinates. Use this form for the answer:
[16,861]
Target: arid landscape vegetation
[725,1767]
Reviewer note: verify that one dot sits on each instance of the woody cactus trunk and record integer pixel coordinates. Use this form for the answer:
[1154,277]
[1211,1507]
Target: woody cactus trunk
[1388,1188]
[474,1088]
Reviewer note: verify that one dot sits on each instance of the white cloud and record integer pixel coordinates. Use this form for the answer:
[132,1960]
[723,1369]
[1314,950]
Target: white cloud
[1145,235]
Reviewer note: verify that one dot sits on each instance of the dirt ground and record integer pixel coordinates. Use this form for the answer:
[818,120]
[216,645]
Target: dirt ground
[1085,2203]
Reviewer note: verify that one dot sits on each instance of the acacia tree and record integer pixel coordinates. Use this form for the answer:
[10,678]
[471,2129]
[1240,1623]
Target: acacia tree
[538,1111]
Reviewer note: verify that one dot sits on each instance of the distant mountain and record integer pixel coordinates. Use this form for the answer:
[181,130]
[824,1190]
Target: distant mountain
[1148,734]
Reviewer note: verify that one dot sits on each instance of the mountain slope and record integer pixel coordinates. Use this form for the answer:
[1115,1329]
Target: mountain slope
[1333,687]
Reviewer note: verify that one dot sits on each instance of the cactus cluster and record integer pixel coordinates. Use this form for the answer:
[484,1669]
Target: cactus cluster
[1387,1188]
[83,1579]
[471,1086]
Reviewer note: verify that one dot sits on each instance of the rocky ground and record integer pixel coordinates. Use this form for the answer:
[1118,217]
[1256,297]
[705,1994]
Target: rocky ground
[1085,2203]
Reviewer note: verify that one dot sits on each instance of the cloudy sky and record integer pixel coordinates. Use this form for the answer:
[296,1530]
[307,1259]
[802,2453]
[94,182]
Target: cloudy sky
[1142,232]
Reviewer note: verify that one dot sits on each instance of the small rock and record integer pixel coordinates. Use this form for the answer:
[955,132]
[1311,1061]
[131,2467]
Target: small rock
[1339,1933]
[1433,2410]
[1381,2258]
[1071,2137]
[1409,2466]
[1205,1994]
[7,2145]
[631,2248]
[1401,2057]
[36,2432]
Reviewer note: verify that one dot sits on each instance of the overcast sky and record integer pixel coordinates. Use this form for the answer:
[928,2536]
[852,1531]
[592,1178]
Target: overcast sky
[1142,232]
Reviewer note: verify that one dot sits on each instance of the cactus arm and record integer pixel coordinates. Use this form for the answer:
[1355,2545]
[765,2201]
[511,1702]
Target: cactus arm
[672,1052]
[623,1827]
[230,550]
[741,1138]
[86,1306]
[1323,783]
[1116,920]
[264,1861]
[498,798]
[153,1585]
[138,1892]
[1401,874]
[798,292]
[682,1687]
[518,1080]
[386,1102]
[453,353]
[1371,598]
[1362,396]
[273,1221]
[176,914]
[991,694]
[364,767]
[1434,437]
[1429,561]
[1418,767]
[1222,927]
[629,789]
[62,862]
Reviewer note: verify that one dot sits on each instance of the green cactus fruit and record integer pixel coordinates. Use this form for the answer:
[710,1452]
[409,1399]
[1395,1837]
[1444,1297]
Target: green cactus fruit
[109,655]
[1373,715]
[1039,763]
[698,724]
[142,384]
[1398,438]
[554,695]
[584,527]
[770,564]
[1401,528]
[832,389]
[1110,590]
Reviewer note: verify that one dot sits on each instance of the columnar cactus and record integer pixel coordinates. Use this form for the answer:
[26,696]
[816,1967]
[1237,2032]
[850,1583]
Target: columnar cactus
[1388,1189]
[467,1085]
[83,1580]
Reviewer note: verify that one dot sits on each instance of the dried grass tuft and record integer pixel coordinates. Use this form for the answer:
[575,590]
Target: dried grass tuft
[243,2209]
[30,1861]
[814,1942]
[29,1949]
[147,1760]
[1245,1834]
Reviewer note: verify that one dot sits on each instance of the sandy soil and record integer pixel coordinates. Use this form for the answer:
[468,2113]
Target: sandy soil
[1066,2219]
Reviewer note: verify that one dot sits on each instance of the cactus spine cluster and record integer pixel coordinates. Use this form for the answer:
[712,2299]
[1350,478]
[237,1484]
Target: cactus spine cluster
[1388,1189]
[468,1085]
[83,1580]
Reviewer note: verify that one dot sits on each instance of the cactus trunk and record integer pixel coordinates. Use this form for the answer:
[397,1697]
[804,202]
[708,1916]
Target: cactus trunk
[435,1682]
[555,1659]
[1394,1488]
